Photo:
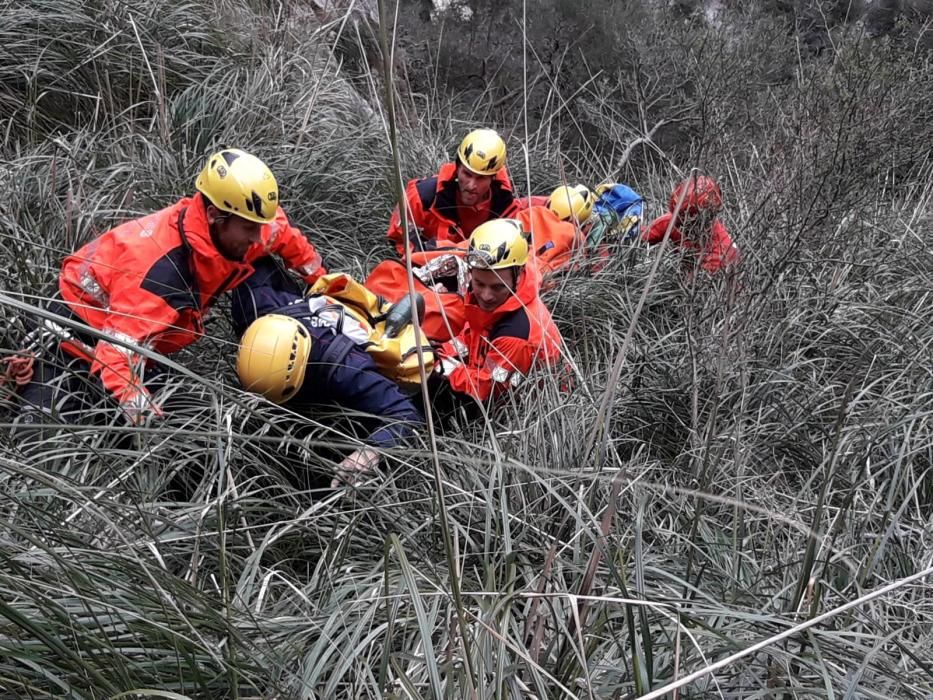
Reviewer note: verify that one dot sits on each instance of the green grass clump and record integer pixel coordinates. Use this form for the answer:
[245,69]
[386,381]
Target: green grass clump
[729,490]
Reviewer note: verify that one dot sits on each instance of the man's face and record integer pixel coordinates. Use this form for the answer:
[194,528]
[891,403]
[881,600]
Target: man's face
[491,288]
[473,188]
[233,235]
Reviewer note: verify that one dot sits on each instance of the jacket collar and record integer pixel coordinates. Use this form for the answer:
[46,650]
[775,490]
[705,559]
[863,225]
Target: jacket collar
[198,232]
[445,201]
[196,229]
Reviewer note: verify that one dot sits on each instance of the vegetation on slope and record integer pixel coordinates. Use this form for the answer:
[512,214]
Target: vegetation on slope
[736,458]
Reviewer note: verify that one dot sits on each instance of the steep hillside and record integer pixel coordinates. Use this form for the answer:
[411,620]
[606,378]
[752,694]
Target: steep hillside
[736,481]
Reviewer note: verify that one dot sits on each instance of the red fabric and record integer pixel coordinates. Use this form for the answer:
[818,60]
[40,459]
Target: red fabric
[491,365]
[389,279]
[534,200]
[718,253]
[102,283]
[553,241]
[471,217]
[433,224]
[696,193]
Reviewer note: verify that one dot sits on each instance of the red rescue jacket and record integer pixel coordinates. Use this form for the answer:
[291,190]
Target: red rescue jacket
[151,280]
[432,208]
[554,242]
[718,253]
[498,348]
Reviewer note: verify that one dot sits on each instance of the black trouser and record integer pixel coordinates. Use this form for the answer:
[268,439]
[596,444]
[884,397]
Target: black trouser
[63,390]
[59,388]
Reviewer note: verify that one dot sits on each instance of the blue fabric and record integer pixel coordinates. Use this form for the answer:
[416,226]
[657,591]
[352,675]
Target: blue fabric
[618,203]
[355,383]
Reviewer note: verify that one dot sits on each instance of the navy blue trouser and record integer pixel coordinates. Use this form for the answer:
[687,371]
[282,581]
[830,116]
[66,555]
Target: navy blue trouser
[344,375]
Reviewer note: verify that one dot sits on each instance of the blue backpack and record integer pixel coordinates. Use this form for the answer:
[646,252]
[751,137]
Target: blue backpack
[618,212]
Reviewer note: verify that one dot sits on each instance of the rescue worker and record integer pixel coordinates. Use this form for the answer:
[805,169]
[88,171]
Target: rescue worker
[508,329]
[149,282]
[557,224]
[447,207]
[695,227]
[558,229]
[294,350]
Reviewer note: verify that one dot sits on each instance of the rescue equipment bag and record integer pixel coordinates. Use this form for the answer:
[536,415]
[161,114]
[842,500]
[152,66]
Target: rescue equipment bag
[617,215]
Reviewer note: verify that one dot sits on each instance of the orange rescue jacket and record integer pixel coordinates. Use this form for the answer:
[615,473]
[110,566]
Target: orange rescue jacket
[498,348]
[151,280]
[553,242]
[718,253]
[444,313]
[432,209]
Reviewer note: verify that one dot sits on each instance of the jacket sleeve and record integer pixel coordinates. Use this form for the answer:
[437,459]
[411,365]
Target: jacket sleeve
[520,204]
[515,206]
[555,256]
[655,232]
[555,244]
[507,362]
[416,220]
[291,244]
[722,252]
[136,316]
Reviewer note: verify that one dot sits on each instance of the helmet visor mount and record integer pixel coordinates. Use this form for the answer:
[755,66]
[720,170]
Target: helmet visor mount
[482,260]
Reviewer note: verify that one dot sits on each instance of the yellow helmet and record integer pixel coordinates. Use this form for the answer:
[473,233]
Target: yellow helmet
[482,152]
[273,357]
[498,244]
[239,183]
[572,203]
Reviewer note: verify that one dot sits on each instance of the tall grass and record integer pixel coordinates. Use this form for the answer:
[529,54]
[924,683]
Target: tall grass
[759,473]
